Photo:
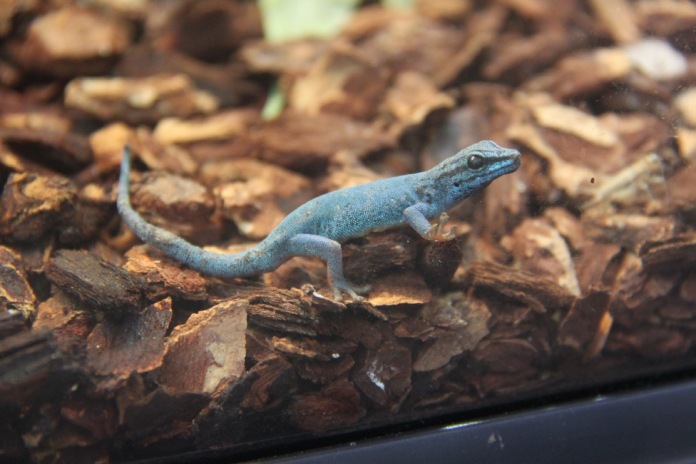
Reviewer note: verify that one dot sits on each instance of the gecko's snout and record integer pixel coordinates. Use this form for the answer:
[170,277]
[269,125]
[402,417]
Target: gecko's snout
[516,158]
[508,161]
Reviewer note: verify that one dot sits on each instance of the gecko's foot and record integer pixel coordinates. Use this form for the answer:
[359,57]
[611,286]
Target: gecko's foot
[350,290]
[437,231]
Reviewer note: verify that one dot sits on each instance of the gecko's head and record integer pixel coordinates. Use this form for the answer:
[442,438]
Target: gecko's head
[474,168]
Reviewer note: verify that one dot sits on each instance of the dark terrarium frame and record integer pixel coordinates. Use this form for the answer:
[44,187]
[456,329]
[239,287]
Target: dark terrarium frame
[642,421]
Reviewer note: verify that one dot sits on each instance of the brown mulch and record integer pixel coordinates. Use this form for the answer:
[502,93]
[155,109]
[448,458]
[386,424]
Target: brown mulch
[579,269]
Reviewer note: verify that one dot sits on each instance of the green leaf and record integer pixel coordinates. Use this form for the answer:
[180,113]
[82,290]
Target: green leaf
[295,19]
[274,104]
[399,4]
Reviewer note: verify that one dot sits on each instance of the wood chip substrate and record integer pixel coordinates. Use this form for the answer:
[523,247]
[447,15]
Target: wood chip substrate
[575,272]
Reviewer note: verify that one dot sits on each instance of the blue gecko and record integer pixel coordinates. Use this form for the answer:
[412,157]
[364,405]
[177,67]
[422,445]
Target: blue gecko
[317,227]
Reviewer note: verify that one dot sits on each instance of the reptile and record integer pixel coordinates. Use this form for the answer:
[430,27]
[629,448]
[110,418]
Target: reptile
[317,228]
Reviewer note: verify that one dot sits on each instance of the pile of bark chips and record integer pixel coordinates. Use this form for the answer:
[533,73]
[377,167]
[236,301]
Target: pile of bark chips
[578,269]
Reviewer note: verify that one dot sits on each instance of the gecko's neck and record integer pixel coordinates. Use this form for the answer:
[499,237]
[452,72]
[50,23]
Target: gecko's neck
[428,190]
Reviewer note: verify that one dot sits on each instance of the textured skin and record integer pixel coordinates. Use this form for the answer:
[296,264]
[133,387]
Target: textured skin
[317,227]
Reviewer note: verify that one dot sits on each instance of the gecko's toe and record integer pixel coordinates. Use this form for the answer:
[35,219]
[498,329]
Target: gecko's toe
[449,235]
[437,231]
[350,290]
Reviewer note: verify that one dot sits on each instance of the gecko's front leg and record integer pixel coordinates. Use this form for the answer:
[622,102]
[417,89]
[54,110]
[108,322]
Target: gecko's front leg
[414,217]
[437,230]
[331,253]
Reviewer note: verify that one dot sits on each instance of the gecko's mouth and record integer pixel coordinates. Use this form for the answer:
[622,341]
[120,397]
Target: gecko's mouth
[507,164]
[516,161]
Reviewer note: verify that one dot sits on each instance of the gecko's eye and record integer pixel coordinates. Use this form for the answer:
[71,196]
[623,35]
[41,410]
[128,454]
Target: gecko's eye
[475,162]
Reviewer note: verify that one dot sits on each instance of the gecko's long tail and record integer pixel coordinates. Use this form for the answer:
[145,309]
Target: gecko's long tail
[217,264]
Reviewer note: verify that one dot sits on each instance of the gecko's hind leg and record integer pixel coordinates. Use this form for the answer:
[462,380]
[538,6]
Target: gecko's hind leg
[330,252]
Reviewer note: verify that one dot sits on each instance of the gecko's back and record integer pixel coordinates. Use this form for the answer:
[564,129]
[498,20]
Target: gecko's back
[352,212]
